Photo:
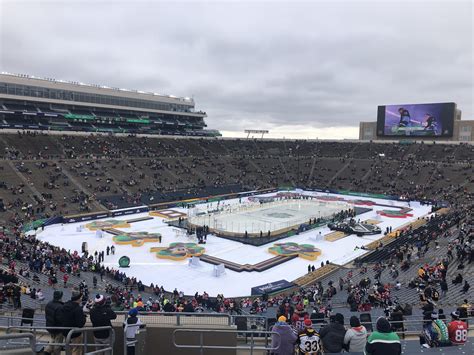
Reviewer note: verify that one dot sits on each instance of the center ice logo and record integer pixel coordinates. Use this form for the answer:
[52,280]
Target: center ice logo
[279,215]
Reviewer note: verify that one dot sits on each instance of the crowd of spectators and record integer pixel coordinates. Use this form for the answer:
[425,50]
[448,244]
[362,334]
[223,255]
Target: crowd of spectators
[126,171]
[135,169]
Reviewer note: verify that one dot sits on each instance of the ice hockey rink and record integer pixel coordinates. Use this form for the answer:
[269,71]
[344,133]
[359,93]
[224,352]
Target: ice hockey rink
[273,216]
[171,274]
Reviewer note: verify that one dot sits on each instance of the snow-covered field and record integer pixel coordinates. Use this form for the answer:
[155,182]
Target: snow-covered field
[148,268]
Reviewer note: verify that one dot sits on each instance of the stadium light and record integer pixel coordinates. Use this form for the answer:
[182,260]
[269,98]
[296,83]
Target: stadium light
[257,131]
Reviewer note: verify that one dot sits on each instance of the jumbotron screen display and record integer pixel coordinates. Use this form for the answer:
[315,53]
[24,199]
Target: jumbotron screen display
[416,120]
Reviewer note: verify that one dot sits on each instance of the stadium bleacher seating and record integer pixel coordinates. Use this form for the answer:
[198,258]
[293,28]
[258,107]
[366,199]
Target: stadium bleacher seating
[43,175]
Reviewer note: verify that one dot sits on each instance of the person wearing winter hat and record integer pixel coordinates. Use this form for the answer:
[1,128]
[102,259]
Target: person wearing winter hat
[52,314]
[131,327]
[383,341]
[309,341]
[356,336]
[72,316]
[286,338]
[332,335]
[101,316]
[457,330]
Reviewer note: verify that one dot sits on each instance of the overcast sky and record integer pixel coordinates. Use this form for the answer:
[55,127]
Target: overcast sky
[299,69]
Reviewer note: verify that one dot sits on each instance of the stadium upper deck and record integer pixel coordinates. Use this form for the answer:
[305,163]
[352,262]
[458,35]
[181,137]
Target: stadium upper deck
[35,103]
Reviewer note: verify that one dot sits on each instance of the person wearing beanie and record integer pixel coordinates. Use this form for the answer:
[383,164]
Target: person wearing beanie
[53,315]
[101,316]
[72,316]
[286,339]
[131,327]
[332,335]
[457,330]
[309,341]
[356,336]
[383,341]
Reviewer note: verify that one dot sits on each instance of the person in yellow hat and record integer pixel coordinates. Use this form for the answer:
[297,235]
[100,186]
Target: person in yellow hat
[287,337]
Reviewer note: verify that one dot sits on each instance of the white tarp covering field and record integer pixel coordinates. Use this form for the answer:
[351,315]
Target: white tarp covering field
[148,268]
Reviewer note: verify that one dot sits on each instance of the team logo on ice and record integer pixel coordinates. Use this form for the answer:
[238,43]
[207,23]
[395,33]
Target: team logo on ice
[305,251]
[107,224]
[137,239]
[178,251]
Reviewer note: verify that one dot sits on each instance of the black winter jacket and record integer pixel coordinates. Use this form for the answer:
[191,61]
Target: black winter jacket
[72,316]
[332,336]
[53,316]
[100,316]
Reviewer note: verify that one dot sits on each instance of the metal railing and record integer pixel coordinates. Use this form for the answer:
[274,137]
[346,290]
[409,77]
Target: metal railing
[183,318]
[103,347]
[10,321]
[259,321]
[30,336]
[197,318]
[251,347]
[39,331]
[126,341]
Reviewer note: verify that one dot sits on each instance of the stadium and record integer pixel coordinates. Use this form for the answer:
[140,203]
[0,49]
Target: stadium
[133,221]
[255,234]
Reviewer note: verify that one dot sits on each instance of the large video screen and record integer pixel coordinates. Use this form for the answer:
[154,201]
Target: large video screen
[418,120]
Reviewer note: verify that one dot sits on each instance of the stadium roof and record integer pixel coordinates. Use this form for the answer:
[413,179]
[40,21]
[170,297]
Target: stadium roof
[26,76]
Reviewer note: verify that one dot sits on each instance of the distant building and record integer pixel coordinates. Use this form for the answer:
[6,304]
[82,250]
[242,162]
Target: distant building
[27,102]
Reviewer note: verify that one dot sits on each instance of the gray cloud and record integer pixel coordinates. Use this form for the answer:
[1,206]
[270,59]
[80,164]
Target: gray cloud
[314,64]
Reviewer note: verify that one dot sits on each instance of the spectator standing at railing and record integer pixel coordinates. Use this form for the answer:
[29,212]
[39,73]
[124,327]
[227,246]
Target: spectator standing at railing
[131,326]
[72,316]
[52,314]
[101,314]
[287,337]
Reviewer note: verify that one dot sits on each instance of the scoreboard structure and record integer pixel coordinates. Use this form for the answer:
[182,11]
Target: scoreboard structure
[411,122]
[425,120]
